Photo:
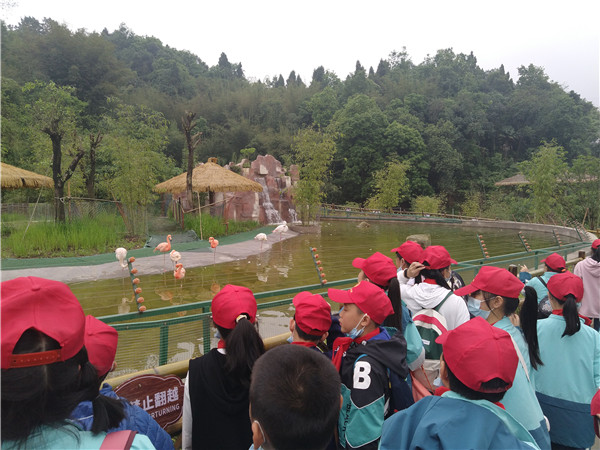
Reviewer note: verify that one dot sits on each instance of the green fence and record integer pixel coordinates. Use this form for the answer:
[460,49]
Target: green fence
[175,333]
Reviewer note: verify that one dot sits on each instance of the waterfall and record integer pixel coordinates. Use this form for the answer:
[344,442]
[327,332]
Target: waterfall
[271,213]
[293,216]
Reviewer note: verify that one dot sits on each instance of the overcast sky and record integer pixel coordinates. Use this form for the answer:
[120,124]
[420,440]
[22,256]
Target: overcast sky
[272,37]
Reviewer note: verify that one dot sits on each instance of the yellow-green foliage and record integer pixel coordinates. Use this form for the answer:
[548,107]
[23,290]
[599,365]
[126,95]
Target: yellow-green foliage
[427,204]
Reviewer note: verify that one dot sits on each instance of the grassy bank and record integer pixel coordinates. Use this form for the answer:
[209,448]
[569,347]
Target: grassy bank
[79,237]
[216,227]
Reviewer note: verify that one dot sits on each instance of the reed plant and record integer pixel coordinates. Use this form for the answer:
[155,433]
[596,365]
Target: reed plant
[216,227]
[78,237]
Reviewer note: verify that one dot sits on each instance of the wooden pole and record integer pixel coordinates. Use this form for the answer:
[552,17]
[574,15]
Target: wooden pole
[584,216]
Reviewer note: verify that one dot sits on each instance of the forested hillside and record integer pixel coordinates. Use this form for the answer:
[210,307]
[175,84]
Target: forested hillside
[116,101]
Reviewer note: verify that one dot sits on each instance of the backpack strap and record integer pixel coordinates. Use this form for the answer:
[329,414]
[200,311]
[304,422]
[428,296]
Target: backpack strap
[118,440]
[437,308]
[542,280]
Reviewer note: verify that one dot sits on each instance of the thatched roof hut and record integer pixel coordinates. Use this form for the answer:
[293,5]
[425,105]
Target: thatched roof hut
[209,177]
[515,180]
[12,177]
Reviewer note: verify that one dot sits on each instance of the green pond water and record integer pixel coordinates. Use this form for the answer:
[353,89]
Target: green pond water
[290,263]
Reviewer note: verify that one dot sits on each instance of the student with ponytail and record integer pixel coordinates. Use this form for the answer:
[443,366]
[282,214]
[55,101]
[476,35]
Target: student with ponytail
[381,271]
[46,372]
[215,410]
[101,342]
[494,296]
[435,308]
[570,376]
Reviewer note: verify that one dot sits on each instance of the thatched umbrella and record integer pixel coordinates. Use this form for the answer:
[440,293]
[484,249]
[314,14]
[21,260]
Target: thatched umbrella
[516,180]
[14,178]
[209,177]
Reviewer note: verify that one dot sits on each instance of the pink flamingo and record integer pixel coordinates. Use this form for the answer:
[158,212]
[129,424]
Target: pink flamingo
[179,272]
[213,244]
[164,247]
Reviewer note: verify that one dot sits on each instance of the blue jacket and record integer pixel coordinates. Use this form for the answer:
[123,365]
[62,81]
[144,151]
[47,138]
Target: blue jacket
[135,419]
[520,400]
[540,289]
[366,391]
[568,380]
[452,422]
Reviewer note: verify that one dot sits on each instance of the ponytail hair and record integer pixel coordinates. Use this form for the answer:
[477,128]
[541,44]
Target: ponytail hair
[393,292]
[436,275]
[528,317]
[244,346]
[108,412]
[573,325]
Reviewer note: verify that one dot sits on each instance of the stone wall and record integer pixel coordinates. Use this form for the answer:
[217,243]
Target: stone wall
[274,204]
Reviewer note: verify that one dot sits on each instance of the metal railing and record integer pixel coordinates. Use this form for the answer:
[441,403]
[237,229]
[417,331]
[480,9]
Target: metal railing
[162,319]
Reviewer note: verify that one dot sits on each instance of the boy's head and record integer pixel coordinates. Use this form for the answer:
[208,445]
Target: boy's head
[312,318]
[479,359]
[366,306]
[294,399]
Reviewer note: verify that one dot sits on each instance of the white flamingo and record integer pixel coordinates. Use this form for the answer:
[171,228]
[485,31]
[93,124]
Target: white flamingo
[260,237]
[121,255]
[175,256]
[283,228]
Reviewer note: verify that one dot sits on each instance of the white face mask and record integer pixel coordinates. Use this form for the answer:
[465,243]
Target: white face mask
[474,306]
[355,332]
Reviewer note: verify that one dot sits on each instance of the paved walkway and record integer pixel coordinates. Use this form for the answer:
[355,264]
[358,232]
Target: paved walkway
[148,265]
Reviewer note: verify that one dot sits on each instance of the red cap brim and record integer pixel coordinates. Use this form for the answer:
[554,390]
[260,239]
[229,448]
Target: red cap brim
[339,296]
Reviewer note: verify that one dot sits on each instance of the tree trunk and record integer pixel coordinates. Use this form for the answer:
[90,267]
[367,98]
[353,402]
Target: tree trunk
[188,124]
[90,176]
[59,187]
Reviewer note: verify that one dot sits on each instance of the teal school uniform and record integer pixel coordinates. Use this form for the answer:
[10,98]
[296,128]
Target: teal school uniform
[568,380]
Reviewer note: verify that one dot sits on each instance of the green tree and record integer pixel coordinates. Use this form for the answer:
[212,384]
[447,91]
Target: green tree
[547,172]
[136,137]
[426,204]
[582,200]
[391,186]
[361,126]
[55,111]
[313,152]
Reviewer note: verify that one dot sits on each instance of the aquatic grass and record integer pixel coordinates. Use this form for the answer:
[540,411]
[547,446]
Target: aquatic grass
[216,227]
[79,237]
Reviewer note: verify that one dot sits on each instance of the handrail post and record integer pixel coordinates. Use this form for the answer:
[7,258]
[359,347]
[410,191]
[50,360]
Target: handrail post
[163,351]
[205,334]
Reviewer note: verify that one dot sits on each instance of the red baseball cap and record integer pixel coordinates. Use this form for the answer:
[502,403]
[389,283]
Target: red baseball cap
[368,297]
[379,268]
[44,305]
[477,352]
[410,251]
[313,313]
[596,243]
[595,406]
[561,284]
[230,303]
[101,344]
[437,257]
[556,262]
[494,280]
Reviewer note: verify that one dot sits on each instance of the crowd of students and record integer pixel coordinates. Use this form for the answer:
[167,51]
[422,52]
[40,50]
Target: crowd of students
[412,358]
